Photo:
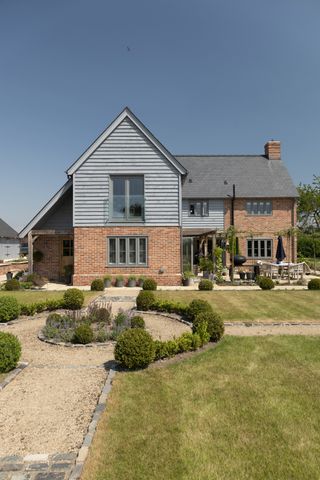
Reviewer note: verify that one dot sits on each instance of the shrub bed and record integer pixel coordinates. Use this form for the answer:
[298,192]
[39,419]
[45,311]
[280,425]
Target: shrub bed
[214,325]
[12,284]
[83,334]
[9,308]
[10,351]
[205,284]
[145,300]
[314,284]
[135,348]
[265,283]
[97,285]
[149,284]
[73,299]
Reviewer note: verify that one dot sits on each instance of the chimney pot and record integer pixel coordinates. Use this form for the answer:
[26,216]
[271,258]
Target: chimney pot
[272,150]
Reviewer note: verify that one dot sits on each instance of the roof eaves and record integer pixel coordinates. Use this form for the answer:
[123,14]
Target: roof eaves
[45,209]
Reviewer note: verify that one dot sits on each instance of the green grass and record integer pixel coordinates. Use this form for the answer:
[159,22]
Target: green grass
[256,305]
[248,409]
[33,296]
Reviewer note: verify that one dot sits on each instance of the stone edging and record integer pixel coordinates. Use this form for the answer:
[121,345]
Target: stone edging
[74,345]
[172,316]
[84,449]
[271,324]
[12,375]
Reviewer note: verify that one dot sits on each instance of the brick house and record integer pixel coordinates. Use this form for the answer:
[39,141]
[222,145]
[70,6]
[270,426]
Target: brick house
[131,207]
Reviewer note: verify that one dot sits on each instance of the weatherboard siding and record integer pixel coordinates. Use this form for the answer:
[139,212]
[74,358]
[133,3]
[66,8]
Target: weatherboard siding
[126,151]
[215,220]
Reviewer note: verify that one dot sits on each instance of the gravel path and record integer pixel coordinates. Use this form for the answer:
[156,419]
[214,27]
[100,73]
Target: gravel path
[163,328]
[48,407]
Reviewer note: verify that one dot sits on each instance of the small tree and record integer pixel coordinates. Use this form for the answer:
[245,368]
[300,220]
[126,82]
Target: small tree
[218,252]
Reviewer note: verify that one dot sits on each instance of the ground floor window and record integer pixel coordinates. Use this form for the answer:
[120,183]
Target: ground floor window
[259,248]
[127,251]
[67,248]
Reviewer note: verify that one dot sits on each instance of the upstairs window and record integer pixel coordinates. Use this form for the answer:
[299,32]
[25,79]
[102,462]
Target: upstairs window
[259,207]
[127,198]
[199,208]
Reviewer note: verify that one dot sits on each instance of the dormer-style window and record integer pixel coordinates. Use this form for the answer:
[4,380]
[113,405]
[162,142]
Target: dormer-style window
[127,198]
[259,207]
[198,208]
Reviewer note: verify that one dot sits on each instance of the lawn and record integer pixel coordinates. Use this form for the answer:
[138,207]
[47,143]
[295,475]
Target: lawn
[33,296]
[256,305]
[248,409]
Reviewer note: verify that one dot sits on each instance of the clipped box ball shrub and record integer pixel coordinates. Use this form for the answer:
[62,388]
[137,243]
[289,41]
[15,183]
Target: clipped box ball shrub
[12,284]
[314,284]
[135,348]
[266,283]
[10,351]
[198,306]
[97,285]
[9,308]
[145,300]
[83,334]
[149,284]
[214,325]
[73,299]
[137,322]
[205,284]
[185,342]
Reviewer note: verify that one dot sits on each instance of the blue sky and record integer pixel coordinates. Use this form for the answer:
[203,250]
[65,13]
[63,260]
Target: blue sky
[205,76]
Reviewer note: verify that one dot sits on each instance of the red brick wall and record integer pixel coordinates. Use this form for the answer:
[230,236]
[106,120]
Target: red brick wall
[50,246]
[12,267]
[253,226]
[90,253]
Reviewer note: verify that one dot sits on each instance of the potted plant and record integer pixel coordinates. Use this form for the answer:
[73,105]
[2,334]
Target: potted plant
[242,275]
[119,281]
[68,272]
[206,266]
[107,281]
[140,281]
[187,278]
[132,281]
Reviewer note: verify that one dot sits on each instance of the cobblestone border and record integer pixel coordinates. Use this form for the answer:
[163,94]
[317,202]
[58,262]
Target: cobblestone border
[100,407]
[12,375]
[172,316]
[74,345]
[271,324]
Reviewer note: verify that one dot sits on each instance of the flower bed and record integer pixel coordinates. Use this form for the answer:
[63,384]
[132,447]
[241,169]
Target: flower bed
[94,325]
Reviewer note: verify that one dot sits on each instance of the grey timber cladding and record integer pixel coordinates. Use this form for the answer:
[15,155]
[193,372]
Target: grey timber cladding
[59,216]
[126,151]
[214,220]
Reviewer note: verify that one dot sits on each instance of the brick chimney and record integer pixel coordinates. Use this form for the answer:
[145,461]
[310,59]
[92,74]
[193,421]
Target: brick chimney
[272,150]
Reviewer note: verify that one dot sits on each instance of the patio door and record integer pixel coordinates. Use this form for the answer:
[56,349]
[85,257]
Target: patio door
[66,265]
[187,254]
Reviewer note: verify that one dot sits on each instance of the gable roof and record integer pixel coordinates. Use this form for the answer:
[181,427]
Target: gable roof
[6,231]
[46,208]
[254,176]
[126,113]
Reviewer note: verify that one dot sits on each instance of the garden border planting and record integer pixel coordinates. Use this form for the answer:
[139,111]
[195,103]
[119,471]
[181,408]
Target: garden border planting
[74,345]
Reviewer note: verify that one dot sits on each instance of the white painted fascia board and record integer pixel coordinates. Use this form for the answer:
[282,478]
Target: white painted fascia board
[45,209]
[126,113]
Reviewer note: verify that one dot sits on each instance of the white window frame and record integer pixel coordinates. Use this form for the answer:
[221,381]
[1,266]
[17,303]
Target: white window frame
[260,241]
[127,239]
[250,207]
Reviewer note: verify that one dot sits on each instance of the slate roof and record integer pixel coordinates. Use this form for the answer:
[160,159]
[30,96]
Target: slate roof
[6,231]
[254,176]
